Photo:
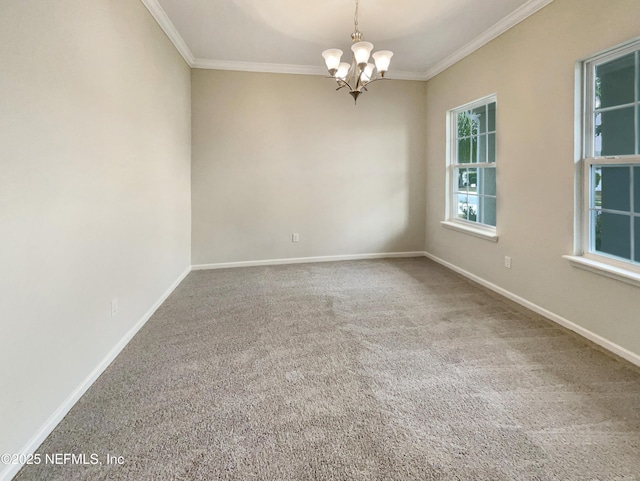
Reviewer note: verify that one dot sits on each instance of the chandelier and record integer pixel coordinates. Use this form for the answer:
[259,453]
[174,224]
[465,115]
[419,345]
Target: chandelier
[360,73]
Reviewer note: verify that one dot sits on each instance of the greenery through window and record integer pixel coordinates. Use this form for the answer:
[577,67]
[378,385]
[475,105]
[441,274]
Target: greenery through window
[473,163]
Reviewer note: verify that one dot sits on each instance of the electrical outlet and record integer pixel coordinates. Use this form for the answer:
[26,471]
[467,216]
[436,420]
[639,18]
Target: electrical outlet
[114,307]
[295,237]
[507,262]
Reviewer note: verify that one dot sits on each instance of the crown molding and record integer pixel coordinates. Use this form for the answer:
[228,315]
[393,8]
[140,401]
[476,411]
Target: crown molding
[167,26]
[511,20]
[404,75]
[207,64]
[517,16]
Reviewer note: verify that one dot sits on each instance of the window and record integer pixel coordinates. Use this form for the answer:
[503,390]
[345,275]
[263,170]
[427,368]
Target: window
[472,168]
[612,155]
[608,228]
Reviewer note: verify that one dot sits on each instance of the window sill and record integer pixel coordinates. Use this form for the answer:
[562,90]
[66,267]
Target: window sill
[604,269]
[482,233]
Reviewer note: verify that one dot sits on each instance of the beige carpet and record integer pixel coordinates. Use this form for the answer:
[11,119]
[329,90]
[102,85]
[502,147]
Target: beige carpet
[364,370]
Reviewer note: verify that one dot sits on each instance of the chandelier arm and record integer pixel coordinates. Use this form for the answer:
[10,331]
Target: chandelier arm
[376,79]
[343,83]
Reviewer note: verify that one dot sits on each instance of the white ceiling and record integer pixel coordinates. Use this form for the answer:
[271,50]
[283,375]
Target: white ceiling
[288,36]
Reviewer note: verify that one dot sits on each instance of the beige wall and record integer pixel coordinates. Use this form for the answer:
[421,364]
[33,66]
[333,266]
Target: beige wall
[531,68]
[94,192]
[275,154]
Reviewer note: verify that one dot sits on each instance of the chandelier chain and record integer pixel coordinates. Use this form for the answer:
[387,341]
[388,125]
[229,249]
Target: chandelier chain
[355,17]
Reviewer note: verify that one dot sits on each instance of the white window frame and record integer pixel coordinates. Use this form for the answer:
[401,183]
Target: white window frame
[584,255]
[452,221]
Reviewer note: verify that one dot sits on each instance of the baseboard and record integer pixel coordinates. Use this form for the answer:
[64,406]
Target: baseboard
[32,445]
[591,336]
[305,260]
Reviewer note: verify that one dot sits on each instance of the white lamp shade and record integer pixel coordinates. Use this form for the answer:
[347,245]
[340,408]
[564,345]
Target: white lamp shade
[361,51]
[367,72]
[332,58]
[343,70]
[382,60]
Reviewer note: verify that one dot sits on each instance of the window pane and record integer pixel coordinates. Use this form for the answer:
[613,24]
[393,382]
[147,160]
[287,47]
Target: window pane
[491,122]
[597,130]
[488,181]
[636,193]
[474,148]
[616,129]
[462,206]
[479,146]
[489,210]
[464,125]
[473,202]
[464,151]
[463,180]
[597,187]
[637,239]
[473,124]
[616,188]
[596,230]
[473,180]
[491,156]
[479,119]
[614,236]
[615,82]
